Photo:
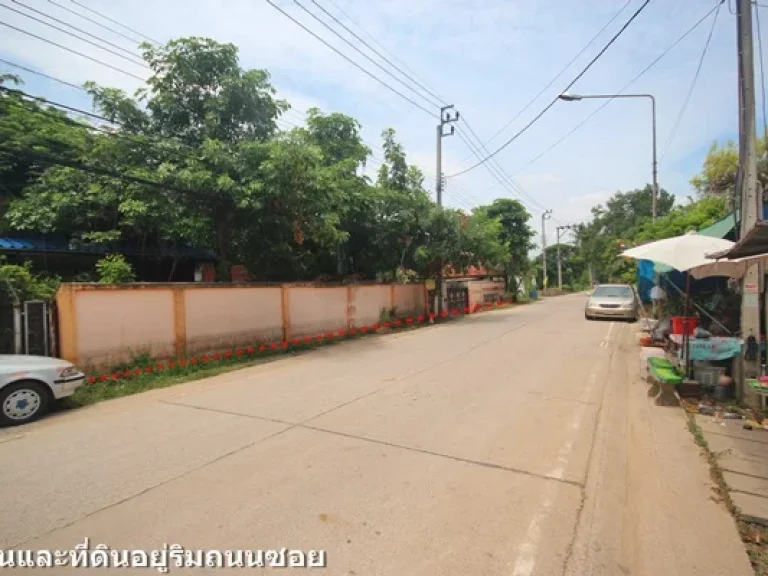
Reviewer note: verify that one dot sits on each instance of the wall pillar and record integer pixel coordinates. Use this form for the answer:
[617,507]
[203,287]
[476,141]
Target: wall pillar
[67,322]
[350,308]
[179,322]
[285,302]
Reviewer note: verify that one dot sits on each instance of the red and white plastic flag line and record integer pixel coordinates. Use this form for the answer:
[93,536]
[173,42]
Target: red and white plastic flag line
[295,343]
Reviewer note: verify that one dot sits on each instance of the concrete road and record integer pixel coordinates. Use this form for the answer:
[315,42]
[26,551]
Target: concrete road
[517,442]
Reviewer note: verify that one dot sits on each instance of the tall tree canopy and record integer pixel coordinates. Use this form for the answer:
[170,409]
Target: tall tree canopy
[195,157]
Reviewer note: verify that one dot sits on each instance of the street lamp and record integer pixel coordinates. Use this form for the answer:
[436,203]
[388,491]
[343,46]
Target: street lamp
[576,98]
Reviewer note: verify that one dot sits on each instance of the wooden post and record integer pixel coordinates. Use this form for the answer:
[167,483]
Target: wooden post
[286,311]
[179,322]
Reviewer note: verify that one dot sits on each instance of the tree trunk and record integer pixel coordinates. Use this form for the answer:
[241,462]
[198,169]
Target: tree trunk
[222,247]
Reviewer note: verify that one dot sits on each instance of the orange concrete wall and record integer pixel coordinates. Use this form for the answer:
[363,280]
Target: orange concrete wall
[219,318]
[482,291]
[102,325]
[315,310]
[409,299]
[367,302]
[116,325]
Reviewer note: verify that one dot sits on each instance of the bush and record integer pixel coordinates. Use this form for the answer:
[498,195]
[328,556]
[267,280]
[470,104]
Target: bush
[19,282]
[115,269]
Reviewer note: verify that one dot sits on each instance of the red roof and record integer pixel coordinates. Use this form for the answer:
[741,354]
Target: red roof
[471,272]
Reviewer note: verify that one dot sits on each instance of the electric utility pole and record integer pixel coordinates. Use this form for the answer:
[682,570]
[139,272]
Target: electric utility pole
[751,203]
[445,119]
[545,216]
[559,261]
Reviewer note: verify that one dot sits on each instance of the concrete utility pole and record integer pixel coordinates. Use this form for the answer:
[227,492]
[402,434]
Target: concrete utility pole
[445,118]
[559,261]
[545,216]
[751,203]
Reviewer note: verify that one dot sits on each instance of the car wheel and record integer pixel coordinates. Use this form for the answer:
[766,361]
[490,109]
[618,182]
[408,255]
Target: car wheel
[23,402]
[587,316]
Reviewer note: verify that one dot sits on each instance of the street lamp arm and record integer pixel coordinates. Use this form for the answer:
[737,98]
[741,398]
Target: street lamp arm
[578,97]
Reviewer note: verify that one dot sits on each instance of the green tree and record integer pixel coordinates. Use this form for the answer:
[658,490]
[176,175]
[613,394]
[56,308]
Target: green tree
[573,267]
[201,127]
[516,235]
[718,174]
[613,225]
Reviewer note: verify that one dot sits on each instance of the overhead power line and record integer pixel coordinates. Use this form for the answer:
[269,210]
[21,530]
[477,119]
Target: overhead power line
[561,72]
[684,107]
[111,121]
[107,18]
[67,24]
[385,49]
[348,59]
[562,139]
[552,103]
[56,104]
[505,177]
[42,75]
[96,60]
[495,171]
[51,159]
[92,21]
[132,59]
[438,101]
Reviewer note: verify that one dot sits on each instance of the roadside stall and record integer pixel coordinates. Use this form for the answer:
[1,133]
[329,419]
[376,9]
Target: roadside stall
[691,350]
[753,246]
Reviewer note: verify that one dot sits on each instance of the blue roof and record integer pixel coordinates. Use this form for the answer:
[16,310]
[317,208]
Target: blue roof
[62,244]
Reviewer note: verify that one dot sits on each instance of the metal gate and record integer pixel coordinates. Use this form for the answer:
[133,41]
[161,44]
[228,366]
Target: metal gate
[458,297]
[27,329]
[36,328]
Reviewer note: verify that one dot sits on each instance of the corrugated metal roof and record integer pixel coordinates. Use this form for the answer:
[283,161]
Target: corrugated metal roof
[61,244]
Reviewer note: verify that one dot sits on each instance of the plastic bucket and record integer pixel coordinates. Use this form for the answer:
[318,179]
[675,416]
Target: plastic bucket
[682,325]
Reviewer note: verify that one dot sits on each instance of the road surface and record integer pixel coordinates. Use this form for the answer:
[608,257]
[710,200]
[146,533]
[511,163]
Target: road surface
[517,442]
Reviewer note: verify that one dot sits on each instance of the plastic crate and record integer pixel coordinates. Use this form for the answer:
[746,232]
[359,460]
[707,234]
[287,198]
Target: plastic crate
[708,375]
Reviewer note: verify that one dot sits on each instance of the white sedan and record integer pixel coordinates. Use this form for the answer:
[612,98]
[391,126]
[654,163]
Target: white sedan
[28,385]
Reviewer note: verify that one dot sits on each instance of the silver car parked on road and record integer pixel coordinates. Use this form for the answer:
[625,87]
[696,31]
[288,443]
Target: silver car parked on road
[612,301]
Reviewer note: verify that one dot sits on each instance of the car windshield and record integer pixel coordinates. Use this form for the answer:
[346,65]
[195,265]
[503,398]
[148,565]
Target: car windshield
[613,292]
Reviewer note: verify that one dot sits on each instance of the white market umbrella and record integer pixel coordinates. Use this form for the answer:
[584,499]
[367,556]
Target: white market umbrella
[687,253]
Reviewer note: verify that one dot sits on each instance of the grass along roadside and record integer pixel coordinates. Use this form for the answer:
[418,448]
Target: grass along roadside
[754,536]
[149,374]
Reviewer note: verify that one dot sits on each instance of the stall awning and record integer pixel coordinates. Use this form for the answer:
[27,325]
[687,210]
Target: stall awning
[753,243]
[722,227]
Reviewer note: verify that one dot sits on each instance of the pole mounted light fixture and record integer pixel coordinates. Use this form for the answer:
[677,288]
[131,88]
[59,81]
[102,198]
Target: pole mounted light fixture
[578,97]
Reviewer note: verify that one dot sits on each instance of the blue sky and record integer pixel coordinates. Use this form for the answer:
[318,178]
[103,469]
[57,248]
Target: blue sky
[487,57]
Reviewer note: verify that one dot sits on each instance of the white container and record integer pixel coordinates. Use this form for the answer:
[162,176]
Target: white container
[708,375]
